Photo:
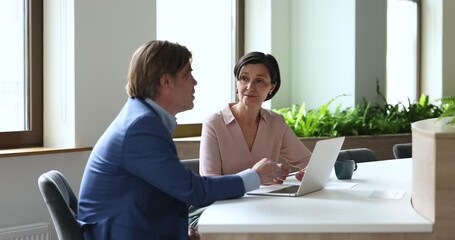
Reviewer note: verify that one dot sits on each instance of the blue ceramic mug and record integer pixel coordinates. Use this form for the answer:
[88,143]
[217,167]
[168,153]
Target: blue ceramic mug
[345,168]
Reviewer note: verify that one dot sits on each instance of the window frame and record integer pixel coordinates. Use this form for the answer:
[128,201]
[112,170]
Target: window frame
[34,136]
[419,49]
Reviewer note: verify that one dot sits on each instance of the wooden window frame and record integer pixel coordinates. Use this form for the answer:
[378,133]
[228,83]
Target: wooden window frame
[34,136]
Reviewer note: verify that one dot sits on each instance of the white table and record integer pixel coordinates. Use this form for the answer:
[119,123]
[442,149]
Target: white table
[350,210]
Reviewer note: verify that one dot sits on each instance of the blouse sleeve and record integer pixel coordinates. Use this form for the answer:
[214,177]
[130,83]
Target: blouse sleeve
[292,149]
[209,152]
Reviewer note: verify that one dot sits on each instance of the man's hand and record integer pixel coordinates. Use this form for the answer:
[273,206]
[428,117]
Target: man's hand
[269,172]
[193,234]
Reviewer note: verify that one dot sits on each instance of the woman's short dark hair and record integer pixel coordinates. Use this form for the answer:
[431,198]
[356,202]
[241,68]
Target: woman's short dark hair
[151,61]
[268,60]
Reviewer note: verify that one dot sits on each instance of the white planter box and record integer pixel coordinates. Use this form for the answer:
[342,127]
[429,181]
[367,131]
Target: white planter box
[433,190]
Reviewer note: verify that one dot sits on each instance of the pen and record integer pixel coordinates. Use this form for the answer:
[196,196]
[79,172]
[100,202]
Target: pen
[292,173]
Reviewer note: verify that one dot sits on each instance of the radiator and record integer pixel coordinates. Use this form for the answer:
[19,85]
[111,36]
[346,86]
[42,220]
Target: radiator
[36,231]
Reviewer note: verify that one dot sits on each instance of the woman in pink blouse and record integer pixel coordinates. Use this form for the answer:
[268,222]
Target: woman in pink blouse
[241,134]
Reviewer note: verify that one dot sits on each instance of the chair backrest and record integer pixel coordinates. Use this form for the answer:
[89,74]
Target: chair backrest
[192,164]
[358,155]
[62,204]
[402,150]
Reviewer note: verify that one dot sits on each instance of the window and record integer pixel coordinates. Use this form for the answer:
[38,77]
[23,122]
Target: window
[402,51]
[211,36]
[21,103]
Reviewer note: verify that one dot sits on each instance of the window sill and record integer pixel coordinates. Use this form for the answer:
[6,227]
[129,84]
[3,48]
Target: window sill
[188,139]
[39,150]
[19,152]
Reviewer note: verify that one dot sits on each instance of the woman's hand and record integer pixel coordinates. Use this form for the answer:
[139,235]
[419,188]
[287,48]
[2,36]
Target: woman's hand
[284,173]
[300,174]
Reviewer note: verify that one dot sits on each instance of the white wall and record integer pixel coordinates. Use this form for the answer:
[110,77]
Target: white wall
[88,45]
[448,85]
[107,33]
[258,29]
[370,49]
[21,202]
[300,35]
[58,74]
[281,48]
[438,52]
[320,67]
[432,48]
[314,67]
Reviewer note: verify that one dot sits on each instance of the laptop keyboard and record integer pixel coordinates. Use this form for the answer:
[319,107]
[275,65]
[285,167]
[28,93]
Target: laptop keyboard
[290,189]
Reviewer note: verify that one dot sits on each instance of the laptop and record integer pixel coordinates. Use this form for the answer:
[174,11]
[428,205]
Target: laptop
[317,174]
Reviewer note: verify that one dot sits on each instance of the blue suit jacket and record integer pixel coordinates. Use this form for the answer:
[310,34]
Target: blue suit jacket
[134,186]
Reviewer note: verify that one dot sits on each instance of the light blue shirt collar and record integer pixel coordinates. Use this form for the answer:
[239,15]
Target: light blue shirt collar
[169,120]
[250,177]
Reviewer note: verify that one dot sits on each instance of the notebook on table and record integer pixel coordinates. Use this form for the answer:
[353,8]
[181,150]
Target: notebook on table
[317,173]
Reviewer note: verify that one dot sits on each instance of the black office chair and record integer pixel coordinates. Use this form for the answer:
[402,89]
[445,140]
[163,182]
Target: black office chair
[62,204]
[358,155]
[402,150]
[192,164]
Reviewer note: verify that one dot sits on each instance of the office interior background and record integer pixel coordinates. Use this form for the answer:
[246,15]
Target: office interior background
[88,46]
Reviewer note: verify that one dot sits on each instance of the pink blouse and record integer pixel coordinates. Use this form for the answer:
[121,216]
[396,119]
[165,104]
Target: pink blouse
[224,149]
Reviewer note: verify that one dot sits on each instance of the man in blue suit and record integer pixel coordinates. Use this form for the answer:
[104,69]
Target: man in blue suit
[134,185]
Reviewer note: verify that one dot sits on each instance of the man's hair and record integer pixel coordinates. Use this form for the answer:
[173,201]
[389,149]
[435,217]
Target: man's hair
[151,61]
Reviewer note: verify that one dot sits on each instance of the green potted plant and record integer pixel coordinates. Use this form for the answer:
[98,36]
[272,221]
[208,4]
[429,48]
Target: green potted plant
[372,125]
[363,119]
[448,108]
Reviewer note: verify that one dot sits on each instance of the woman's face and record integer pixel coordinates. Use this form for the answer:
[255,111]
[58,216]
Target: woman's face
[254,84]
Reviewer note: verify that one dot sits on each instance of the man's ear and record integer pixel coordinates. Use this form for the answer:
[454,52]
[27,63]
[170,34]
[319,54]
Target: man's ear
[165,81]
